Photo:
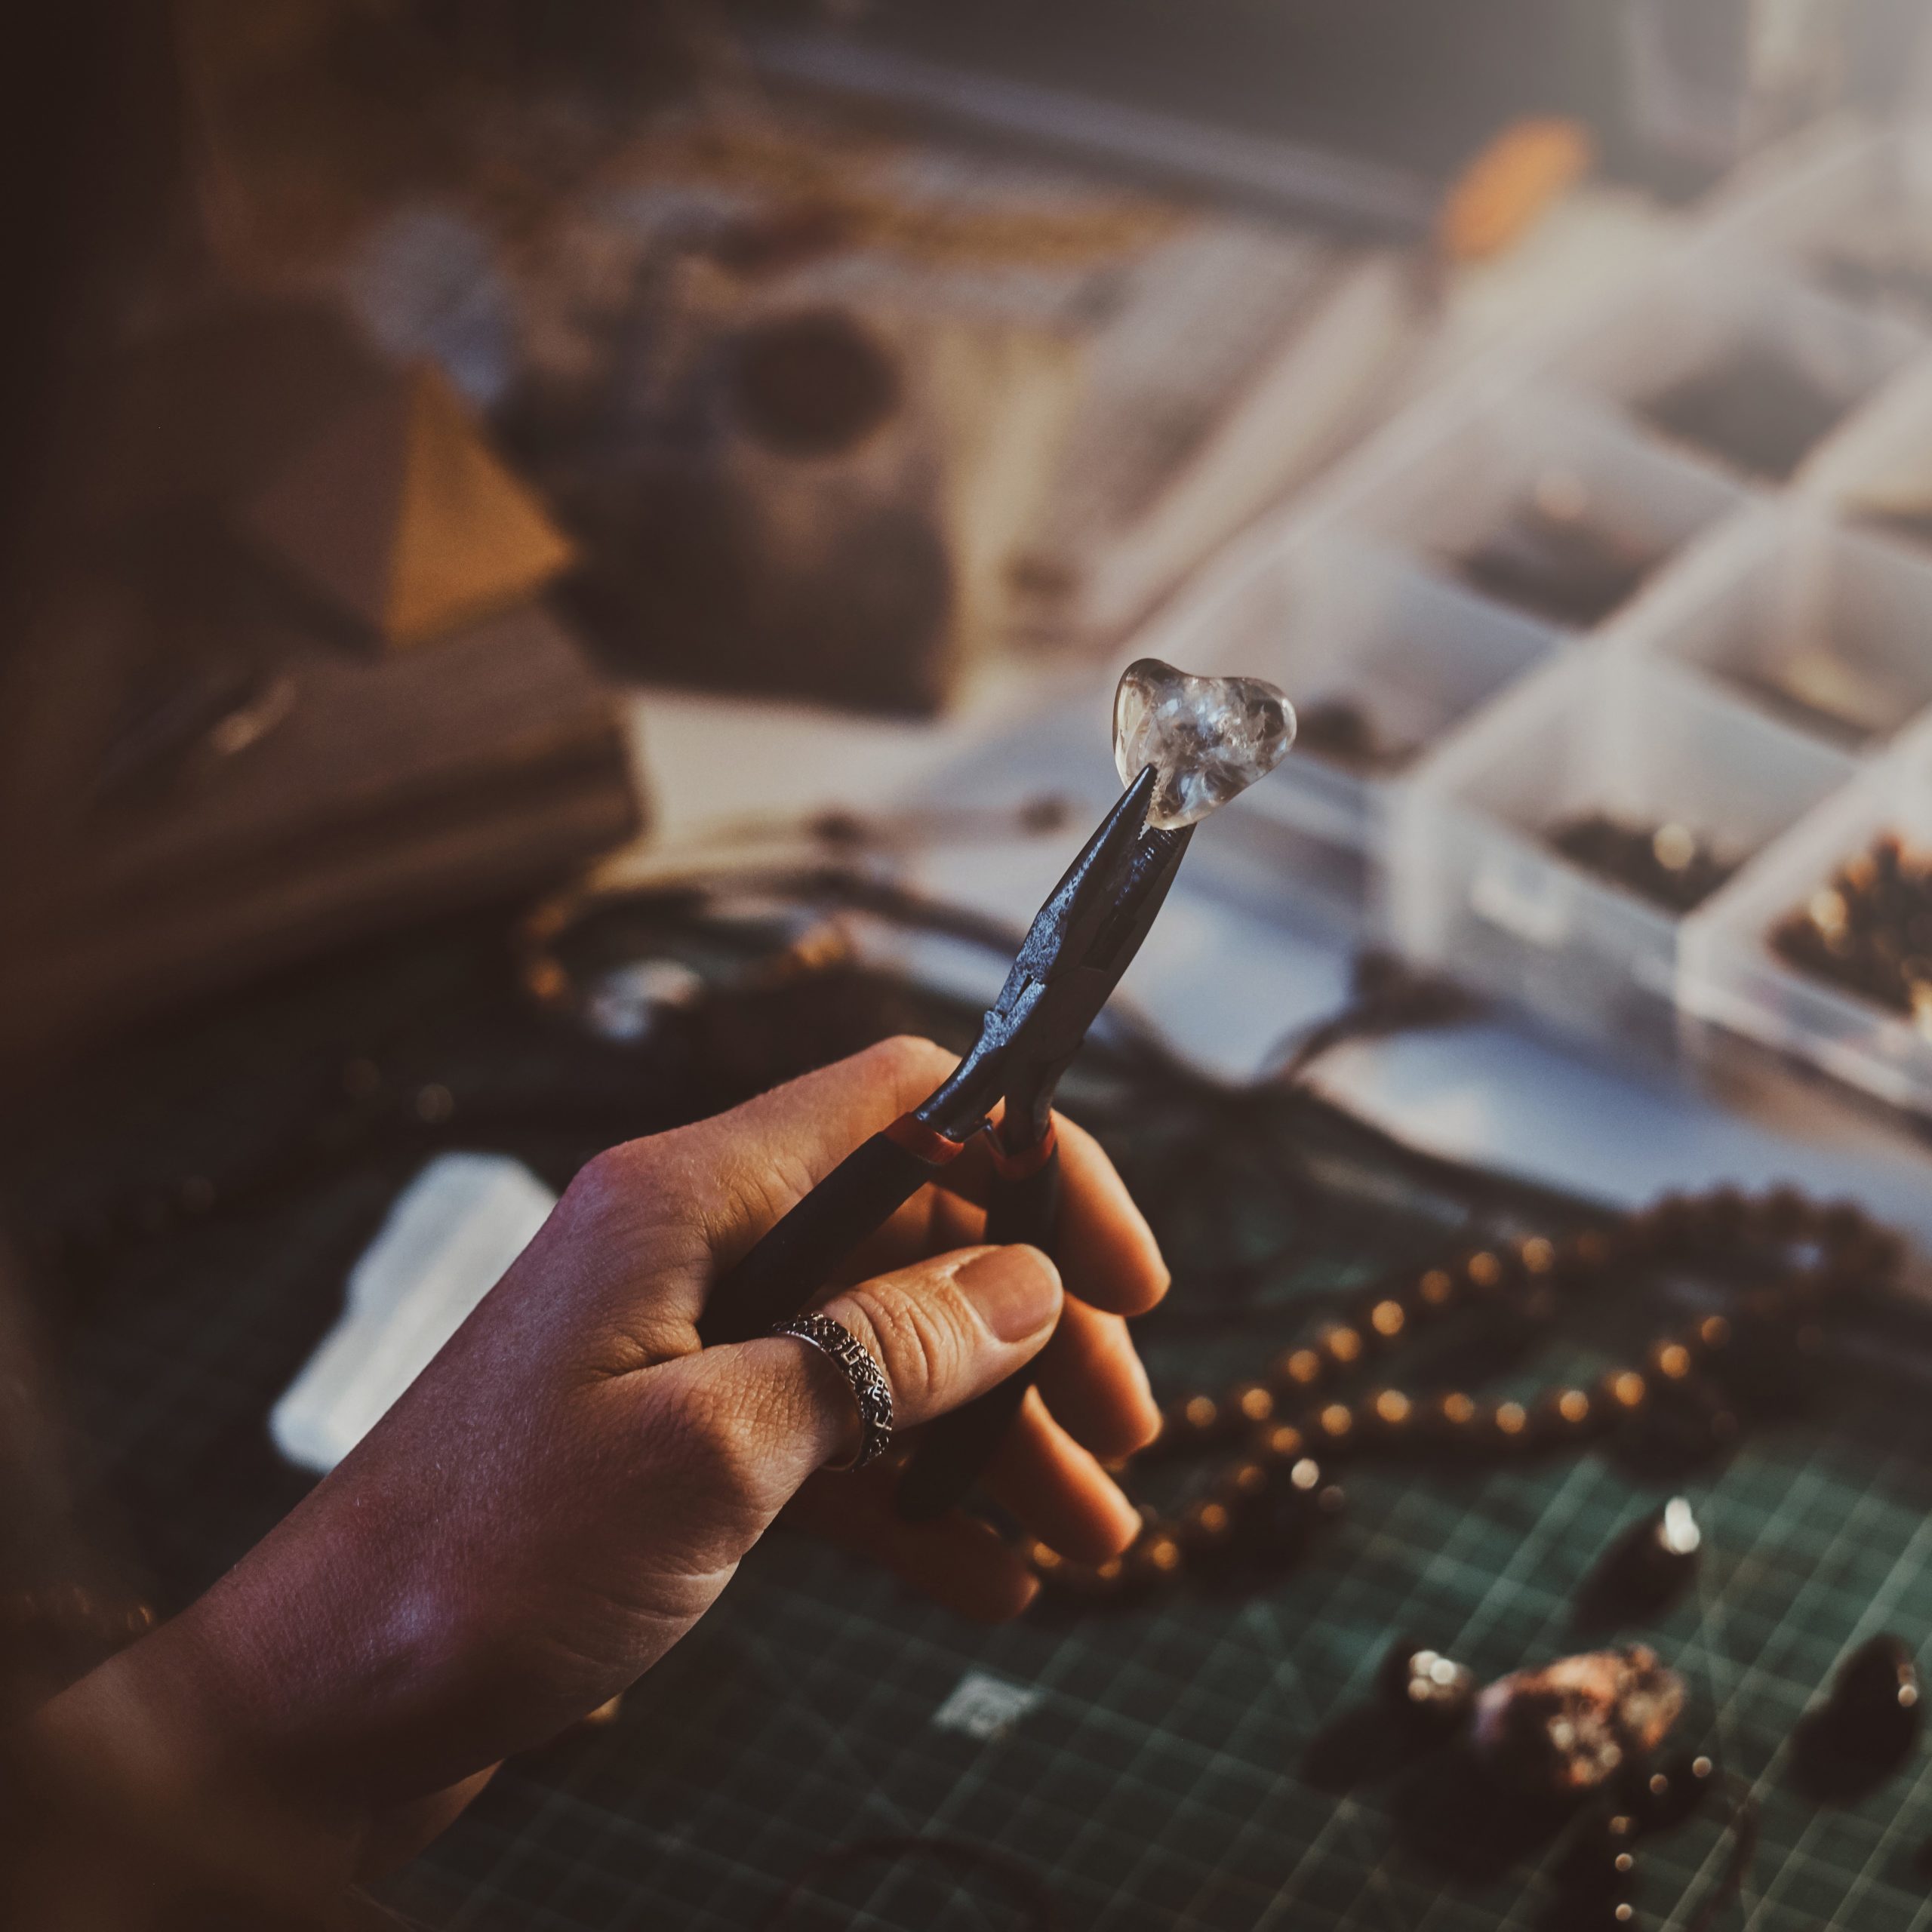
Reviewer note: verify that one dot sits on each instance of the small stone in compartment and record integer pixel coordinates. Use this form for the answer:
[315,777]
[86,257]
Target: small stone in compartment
[1869,929]
[1882,269]
[1555,557]
[1904,522]
[1820,691]
[1668,864]
[1760,412]
[1341,730]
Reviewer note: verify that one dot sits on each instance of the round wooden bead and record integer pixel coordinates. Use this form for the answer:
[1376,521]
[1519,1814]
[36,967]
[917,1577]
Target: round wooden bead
[1156,1559]
[1391,1411]
[1250,1402]
[1190,1423]
[1343,1345]
[1080,1582]
[1334,1423]
[1507,1424]
[1671,1361]
[1568,1411]
[1662,1796]
[1243,1482]
[1625,1390]
[1207,1528]
[1281,1443]
[1537,1254]
[1484,1272]
[1299,1368]
[1387,1319]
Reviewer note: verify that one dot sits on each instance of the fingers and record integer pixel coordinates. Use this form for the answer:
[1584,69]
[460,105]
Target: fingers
[1105,1250]
[746,1168]
[1106,1253]
[949,1329]
[1112,1259]
[395,1836]
[1089,1373]
[743,1170]
[956,1559]
[934,1220]
[1094,1384]
[941,1333]
[1058,1490]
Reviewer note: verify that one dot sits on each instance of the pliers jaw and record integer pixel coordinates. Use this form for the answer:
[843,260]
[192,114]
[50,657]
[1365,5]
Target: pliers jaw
[1081,942]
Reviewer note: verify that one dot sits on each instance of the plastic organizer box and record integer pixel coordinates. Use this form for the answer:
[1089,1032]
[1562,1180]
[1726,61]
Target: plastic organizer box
[1661,571]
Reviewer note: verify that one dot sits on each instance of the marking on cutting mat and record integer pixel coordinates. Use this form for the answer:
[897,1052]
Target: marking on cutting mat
[984,1707]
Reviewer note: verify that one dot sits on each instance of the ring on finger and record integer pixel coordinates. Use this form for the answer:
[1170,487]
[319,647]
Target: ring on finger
[871,1391]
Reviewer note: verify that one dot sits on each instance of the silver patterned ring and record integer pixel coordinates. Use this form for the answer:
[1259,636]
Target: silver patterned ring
[870,1389]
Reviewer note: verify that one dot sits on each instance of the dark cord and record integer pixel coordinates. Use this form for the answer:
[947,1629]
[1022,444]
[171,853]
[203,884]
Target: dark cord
[1742,1826]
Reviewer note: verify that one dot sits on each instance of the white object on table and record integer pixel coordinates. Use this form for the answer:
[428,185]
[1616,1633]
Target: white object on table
[448,1238]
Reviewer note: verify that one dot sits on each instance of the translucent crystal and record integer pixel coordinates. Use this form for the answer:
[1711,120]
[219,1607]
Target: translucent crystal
[1209,738]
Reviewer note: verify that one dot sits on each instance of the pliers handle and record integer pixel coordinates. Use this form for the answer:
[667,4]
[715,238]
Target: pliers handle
[784,1272]
[1023,1206]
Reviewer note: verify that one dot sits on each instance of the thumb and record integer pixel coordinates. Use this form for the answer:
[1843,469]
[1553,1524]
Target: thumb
[949,1329]
[941,1332]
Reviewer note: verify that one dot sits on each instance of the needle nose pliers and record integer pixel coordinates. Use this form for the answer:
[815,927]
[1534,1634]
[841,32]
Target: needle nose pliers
[1081,942]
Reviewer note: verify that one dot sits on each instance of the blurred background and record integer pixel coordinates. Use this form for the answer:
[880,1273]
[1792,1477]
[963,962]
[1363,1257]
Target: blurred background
[564,563]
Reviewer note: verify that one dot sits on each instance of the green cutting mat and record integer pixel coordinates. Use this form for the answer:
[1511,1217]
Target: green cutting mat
[1160,1772]
[1158,1780]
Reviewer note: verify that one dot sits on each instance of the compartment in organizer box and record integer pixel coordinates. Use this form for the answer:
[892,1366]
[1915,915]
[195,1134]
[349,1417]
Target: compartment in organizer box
[1873,251]
[1878,474]
[1850,212]
[1827,628]
[1380,659]
[1741,972]
[1742,366]
[1557,510]
[1481,880]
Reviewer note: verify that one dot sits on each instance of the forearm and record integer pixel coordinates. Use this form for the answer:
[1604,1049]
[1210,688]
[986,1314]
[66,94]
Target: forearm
[133,1799]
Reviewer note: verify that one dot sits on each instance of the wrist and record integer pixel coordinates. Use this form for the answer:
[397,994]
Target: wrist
[131,1794]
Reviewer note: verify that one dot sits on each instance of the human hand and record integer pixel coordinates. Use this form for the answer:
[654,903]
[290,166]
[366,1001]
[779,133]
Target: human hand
[572,1481]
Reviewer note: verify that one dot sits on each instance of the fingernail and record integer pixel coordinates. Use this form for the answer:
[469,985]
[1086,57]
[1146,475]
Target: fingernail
[1128,1523]
[1150,1410]
[1016,1291]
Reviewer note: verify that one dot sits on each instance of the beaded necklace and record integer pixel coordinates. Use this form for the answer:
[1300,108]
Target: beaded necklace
[1273,1441]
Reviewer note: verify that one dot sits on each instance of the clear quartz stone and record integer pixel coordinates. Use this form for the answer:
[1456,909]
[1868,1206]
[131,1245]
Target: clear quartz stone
[1209,738]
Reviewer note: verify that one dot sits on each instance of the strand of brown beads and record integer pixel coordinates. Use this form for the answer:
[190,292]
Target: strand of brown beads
[1331,1397]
